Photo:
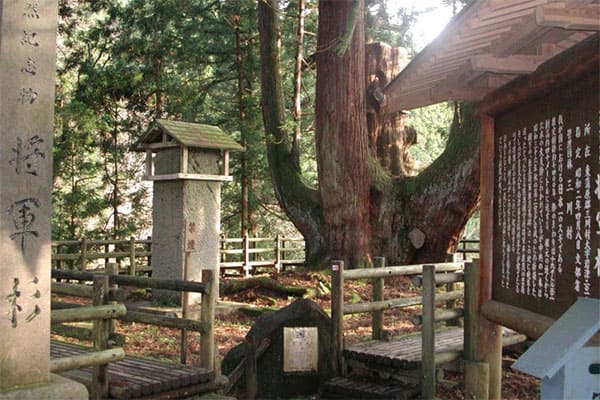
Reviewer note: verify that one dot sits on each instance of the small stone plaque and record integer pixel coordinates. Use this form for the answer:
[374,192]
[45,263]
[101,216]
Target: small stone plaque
[300,349]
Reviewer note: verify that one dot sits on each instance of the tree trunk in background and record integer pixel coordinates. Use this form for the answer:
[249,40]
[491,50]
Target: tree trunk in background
[341,130]
[246,182]
[299,201]
[371,199]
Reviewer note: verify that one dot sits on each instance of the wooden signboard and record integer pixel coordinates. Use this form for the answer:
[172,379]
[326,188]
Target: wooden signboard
[546,246]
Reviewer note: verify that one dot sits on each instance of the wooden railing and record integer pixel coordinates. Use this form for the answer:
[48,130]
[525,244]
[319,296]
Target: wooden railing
[100,313]
[132,255]
[203,326]
[468,249]
[238,255]
[247,253]
[429,276]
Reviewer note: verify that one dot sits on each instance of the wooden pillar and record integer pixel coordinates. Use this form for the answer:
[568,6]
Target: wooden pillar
[477,373]
[487,345]
[337,315]
[100,332]
[378,283]
[207,314]
[428,334]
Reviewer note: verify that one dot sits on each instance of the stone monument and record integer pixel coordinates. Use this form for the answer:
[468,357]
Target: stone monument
[27,79]
[187,162]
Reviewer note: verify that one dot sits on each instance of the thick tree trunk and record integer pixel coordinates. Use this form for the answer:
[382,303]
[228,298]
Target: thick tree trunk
[441,199]
[422,216]
[298,200]
[341,130]
[370,201]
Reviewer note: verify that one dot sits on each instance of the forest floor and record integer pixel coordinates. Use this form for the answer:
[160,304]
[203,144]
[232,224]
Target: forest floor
[233,323]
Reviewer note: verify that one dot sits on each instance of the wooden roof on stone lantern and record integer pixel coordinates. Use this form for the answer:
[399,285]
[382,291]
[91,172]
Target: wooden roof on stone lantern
[166,133]
[488,45]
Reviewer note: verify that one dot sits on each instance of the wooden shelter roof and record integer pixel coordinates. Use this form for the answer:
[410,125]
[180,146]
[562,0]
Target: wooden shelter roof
[489,44]
[189,134]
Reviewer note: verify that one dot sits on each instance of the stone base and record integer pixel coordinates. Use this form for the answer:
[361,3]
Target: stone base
[58,388]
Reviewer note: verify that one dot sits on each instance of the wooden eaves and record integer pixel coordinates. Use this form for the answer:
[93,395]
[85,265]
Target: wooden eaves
[488,45]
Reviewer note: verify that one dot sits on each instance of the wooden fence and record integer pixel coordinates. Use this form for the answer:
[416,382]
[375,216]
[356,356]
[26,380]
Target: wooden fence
[241,256]
[105,306]
[429,277]
[237,255]
[204,326]
[132,255]
[100,312]
[248,254]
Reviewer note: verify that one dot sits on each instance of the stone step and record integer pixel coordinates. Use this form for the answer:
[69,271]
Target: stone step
[355,388]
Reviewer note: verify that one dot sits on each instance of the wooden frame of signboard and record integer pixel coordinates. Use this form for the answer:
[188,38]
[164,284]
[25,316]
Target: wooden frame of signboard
[525,219]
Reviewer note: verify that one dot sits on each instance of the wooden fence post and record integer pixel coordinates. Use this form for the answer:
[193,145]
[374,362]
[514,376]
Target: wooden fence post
[450,287]
[476,372]
[131,271]
[149,249]
[111,269]
[278,253]
[246,255]
[83,254]
[377,316]
[207,314]
[428,334]
[337,315]
[222,246]
[106,251]
[99,387]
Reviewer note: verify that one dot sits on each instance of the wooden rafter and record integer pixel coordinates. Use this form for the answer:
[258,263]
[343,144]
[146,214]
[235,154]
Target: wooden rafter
[515,64]
[489,44]
[559,15]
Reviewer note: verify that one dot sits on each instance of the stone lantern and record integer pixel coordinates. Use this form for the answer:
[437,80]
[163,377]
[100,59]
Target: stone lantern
[187,163]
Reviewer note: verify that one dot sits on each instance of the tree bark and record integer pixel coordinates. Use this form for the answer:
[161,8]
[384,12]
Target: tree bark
[299,201]
[341,131]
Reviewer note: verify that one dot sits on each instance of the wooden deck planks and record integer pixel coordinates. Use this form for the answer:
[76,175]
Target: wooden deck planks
[135,376]
[404,352]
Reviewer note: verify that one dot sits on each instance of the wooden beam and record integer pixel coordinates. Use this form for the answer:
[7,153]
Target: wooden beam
[87,360]
[523,321]
[569,66]
[382,272]
[88,313]
[522,34]
[571,17]
[161,145]
[516,64]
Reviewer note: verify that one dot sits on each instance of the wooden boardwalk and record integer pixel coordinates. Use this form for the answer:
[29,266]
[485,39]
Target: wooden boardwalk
[404,352]
[136,377]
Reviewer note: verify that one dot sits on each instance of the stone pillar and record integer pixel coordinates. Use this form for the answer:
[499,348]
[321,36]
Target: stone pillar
[27,79]
[186,217]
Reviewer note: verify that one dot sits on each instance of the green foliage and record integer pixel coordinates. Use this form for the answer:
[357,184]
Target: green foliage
[432,124]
